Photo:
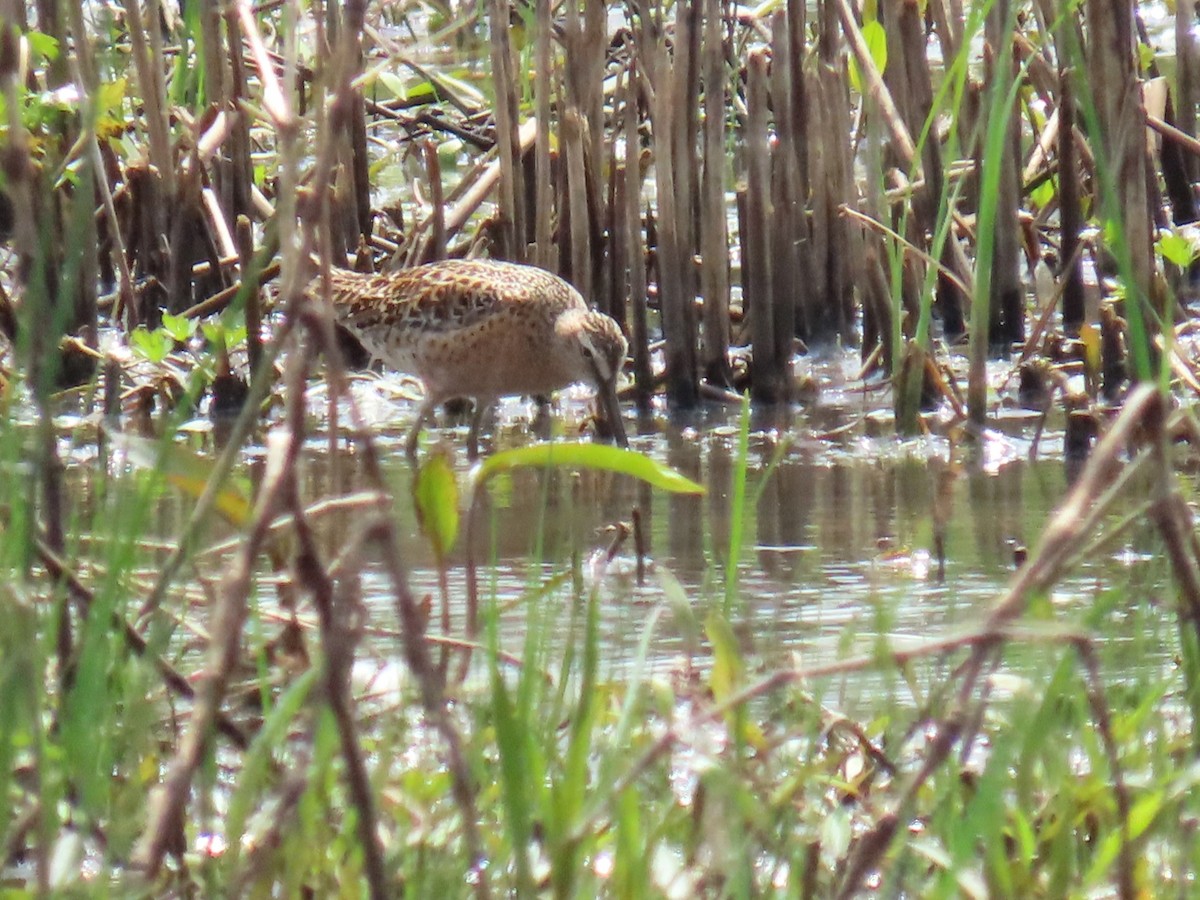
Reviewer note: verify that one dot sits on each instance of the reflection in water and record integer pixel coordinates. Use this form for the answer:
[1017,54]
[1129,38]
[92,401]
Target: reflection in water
[685,522]
[838,540]
[841,538]
[784,515]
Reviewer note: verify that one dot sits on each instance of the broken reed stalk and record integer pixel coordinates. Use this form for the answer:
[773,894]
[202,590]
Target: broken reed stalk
[1187,76]
[635,250]
[585,44]
[714,230]
[616,261]
[216,79]
[994,135]
[767,378]
[1070,205]
[1006,301]
[543,207]
[678,316]
[797,112]
[153,97]
[360,210]
[245,242]
[786,232]
[591,98]
[437,201]
[93,184]
[912,77]
[684,87]
[881,332]
[831,316]
[237,146]
[510,228]
[579,239]
[1112,70]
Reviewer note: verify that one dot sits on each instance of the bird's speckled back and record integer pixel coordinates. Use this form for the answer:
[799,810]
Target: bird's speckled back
[447,296]
[479,328]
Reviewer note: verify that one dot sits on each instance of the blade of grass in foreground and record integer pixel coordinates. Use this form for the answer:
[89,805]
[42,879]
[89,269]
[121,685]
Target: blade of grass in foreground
[587,456]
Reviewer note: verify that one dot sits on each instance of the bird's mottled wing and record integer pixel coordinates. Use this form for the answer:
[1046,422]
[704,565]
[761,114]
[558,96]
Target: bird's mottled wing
[450,296]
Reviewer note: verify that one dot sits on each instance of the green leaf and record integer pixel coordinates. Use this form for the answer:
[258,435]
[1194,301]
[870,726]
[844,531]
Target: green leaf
[680,605]
[518,770]
[151,345]
[1140,818]
[219,334]
[109,96]
[1043,195]
[875,38]
[180,328]
[588,456]
[1145,56]
[108,99]
[42,45]
[393,84]
[727,675]
[435,494]
[466,93]
[422,92]
[727,665]
[1175,248]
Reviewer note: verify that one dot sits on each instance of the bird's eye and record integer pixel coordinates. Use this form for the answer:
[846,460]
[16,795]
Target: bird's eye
[587,351]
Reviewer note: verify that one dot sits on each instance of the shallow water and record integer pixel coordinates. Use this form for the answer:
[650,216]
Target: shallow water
[849,534]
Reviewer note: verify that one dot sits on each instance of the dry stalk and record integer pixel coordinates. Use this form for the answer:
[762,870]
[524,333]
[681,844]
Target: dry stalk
[335,629]
[512,221]
[543,184]
[153,100]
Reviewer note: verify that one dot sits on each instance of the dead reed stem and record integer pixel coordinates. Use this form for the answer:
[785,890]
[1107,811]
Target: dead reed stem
[678,316]
[543,211]
[635,251]
[714,230]
[511,231]
[767,385]
[1006,303]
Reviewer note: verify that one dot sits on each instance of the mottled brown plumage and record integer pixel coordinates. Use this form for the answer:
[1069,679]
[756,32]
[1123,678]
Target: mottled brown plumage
[482,329]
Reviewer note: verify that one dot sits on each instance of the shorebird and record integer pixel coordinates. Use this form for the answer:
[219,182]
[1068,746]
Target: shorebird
[482,329]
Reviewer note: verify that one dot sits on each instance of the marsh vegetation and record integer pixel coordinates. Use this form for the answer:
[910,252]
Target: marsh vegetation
[897,591]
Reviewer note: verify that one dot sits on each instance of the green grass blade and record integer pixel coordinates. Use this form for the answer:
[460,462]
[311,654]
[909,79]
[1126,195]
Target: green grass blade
[588,456]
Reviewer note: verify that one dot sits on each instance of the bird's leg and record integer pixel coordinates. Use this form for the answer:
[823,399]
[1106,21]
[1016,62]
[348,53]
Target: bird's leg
[542,422]
[414,434]
[481,408]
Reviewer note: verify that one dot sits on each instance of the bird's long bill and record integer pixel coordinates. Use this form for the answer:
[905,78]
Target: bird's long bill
[610,424]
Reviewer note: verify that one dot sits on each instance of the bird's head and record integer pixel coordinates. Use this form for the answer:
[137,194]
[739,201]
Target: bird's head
[602,347]
[599,350]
